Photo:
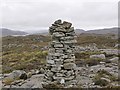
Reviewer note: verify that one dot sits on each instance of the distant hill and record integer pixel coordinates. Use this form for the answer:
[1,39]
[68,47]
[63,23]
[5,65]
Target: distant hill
[45,32]
[79,31]
[103,31]
[8,32]
[40,32]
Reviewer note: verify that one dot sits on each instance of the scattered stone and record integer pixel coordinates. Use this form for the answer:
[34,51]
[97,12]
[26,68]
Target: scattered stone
[114,60]
[110,52]
[18,74]
[100,56]
[106,79]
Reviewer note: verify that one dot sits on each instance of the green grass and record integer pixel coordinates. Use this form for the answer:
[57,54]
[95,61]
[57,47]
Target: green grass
[84,57]
[102,41]
[28,52]
[24,61]
[86,54]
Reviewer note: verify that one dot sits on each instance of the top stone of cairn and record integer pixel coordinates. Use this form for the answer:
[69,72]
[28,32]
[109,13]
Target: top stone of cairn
[60,26]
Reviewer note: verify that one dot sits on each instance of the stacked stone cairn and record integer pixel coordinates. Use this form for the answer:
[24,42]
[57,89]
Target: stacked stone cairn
[61,65]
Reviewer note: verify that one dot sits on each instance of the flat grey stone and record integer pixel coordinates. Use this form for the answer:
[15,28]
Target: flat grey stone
[100,56]
[50,62]
[69,66]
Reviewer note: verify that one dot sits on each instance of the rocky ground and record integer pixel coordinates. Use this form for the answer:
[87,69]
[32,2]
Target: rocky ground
[23,60]
[100,75]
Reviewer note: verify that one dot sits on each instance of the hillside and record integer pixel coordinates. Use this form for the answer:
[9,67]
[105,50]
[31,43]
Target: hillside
[8,32]
[30,48]
[103,31]
[79,31]
[29,53]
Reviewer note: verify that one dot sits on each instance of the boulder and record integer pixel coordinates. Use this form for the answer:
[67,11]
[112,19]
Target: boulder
[15,75]
[18,74]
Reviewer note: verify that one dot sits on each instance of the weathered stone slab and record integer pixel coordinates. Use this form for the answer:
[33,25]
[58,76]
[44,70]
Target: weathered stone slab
[69,60]
[69,66]
[50,62]
[58,45]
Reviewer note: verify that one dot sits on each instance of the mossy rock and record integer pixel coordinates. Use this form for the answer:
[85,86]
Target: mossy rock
[8,81]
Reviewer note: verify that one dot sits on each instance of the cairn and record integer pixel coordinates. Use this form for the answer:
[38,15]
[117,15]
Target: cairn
[61,65]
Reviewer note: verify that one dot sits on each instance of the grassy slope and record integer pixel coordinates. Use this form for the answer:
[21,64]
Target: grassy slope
[29,52]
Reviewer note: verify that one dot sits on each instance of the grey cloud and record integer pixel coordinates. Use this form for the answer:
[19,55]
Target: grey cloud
[41,14]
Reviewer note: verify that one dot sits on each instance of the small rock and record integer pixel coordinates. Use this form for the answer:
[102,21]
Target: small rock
[58,34]
[114,60]
[62,81]
[58,22]
[37,72]
[23,76]
[42,70]
[50,62]
[108,80]
[100,56]
[56,69]
[69,78]
[102,62]
[49,73]
[67,24]
[69,60]
[69,66]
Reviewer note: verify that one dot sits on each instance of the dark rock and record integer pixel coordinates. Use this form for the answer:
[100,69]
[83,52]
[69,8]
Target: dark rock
[67,25]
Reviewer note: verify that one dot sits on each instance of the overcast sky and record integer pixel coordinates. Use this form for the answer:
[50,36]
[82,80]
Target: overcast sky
[40,14]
